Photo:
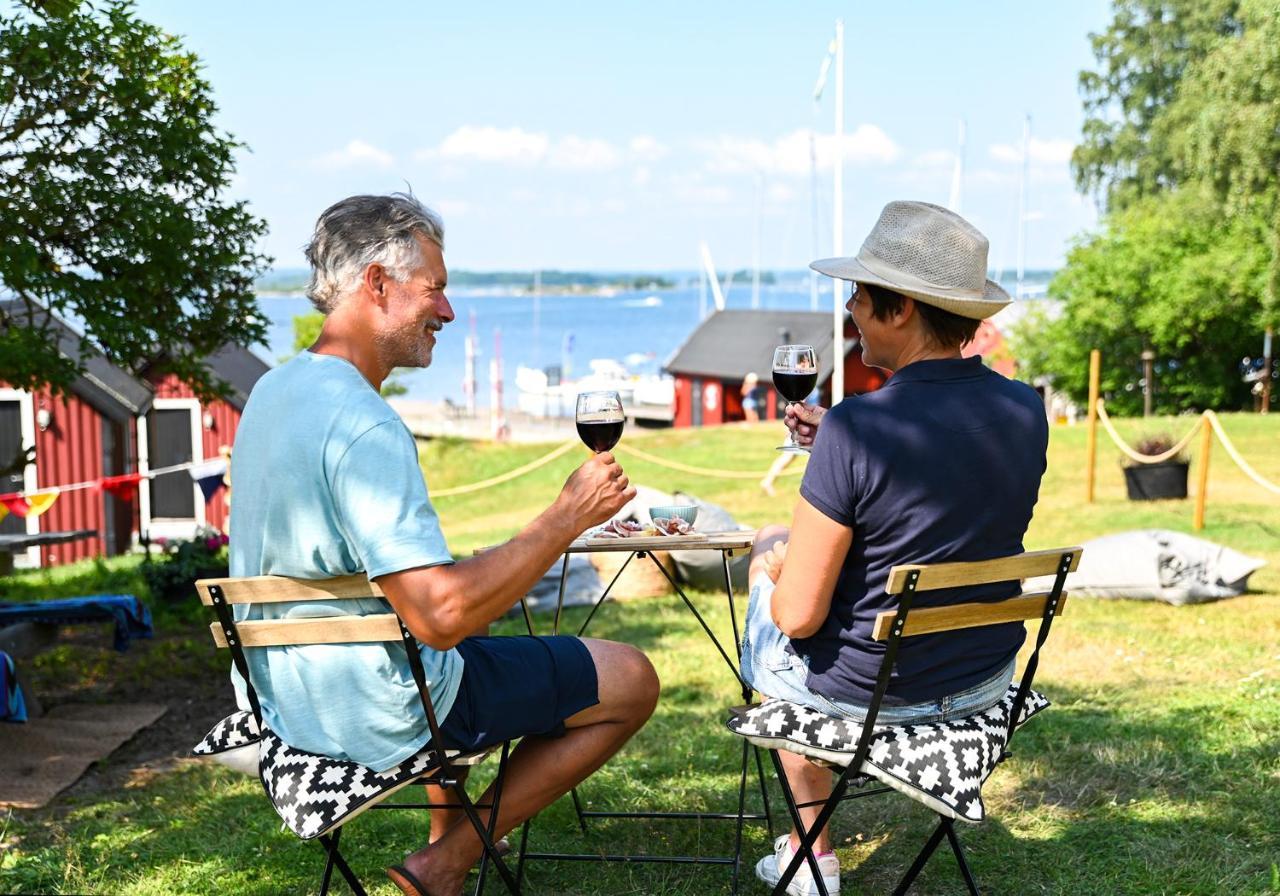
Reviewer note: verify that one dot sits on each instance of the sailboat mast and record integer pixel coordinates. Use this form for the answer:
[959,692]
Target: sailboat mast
[837,227]
[1022,204]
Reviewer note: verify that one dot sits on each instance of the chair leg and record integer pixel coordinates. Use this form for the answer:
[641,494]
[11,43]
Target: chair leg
[493,813]
[486,841]
[335,860]
[807,837]
[934,839]
[960,859]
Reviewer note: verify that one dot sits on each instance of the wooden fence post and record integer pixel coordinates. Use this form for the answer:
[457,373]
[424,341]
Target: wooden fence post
[1202,488]
[1091,446]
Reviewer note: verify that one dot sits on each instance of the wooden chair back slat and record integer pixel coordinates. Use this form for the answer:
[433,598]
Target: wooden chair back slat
[982,572]
[280,589]
[927,620]
[319,630]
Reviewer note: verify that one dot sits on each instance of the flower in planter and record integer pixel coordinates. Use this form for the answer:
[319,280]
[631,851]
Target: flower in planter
[183,561]
[1154,446]
[1158,479]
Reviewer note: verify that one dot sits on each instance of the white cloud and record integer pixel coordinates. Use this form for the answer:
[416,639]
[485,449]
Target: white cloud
[780,193]
[646,149]
[355,154]
[790,153]
[641,176]
[451,207]
[523,194]
[584,154]
[1055,151]
[490,144]
[934,158]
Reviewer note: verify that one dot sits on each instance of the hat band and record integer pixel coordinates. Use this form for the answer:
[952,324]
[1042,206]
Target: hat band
[910,282]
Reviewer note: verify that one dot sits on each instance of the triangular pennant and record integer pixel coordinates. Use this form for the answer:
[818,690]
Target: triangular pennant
[15,504]
[123,487]
[4,512]
[39,503]
[209,485]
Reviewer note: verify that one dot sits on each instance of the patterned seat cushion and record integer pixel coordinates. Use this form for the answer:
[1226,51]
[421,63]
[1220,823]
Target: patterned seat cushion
[236,730]
[940,764]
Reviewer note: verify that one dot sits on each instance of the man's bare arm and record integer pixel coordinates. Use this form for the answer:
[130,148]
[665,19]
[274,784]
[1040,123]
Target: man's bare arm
[441,605]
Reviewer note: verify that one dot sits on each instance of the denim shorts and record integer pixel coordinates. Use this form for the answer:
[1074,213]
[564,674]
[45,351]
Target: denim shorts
[774,672]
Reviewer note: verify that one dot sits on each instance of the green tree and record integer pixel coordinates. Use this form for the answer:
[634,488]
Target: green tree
[111,207]
[1142,58]
[1167,273]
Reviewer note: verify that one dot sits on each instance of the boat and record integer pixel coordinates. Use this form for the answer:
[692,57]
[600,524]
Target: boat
[645,394]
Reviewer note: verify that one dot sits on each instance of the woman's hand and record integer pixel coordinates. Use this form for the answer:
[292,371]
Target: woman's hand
[773,561]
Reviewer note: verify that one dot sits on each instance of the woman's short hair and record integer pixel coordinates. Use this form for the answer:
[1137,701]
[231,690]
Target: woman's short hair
[943,328]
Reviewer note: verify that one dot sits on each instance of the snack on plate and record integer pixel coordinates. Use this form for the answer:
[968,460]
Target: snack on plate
[618,529]
[672,525]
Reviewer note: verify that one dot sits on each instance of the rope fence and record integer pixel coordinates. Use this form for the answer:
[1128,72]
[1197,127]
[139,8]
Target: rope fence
[1144,458]
[620,449]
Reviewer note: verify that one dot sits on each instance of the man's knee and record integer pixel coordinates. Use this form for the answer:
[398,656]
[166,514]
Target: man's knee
[626,679]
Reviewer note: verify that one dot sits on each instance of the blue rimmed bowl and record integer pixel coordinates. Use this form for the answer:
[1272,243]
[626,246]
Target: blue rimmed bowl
[686,512]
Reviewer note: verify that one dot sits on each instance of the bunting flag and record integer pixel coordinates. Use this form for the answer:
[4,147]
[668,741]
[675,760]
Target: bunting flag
[210,476]
[29,506]
[4,512]
[123,487]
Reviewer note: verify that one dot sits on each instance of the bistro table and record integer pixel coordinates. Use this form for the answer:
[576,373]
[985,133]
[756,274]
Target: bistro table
[16,543]
[641,547]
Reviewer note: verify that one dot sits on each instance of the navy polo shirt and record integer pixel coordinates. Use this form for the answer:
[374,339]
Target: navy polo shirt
[942,463]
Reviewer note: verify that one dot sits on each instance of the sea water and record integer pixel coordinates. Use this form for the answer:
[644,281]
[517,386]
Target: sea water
[641,328]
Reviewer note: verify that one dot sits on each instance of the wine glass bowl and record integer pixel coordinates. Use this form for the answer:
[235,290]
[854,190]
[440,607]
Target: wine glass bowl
[599,418]
[795,373]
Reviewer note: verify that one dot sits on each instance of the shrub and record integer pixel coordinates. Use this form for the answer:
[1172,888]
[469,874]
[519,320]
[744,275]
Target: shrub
[182,561]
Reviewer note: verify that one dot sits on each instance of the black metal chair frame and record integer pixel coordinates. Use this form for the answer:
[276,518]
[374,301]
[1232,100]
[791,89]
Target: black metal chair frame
[739,817]
[851,777]
[444,772]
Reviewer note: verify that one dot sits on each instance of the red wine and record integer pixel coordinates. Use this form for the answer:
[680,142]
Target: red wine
[600,435]
[794,386]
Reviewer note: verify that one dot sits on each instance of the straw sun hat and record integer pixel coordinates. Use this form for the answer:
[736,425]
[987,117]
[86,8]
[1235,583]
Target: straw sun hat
[926,252]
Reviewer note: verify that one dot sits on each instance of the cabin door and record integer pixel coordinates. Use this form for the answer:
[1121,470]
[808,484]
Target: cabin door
[17,433]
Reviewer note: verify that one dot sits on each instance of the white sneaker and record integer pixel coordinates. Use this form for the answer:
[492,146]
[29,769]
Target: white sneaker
[770,868]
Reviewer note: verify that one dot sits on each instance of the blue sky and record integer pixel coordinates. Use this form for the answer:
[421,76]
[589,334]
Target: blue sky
[620,136]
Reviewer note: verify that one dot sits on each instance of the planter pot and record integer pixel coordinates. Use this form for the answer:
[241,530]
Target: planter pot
[1156,482]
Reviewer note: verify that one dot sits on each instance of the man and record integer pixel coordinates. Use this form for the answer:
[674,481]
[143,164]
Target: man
[941,463]
[327,483]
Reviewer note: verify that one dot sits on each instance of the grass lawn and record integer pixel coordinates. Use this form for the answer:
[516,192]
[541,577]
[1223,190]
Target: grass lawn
[1156,772]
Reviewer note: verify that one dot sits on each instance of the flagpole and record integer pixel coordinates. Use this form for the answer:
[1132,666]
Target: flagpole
[837,228]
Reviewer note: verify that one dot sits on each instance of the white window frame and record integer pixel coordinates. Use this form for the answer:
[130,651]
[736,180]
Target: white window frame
[30,558]
[170,527]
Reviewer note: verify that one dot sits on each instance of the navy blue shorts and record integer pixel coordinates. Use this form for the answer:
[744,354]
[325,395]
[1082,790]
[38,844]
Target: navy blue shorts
[515,686]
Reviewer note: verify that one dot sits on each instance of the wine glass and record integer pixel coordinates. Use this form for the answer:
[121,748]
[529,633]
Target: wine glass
[599,418]
[795,373]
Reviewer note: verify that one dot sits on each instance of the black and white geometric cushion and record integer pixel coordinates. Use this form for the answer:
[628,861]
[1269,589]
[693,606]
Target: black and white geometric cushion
[940,764]
[313,794]
[233,742]
[236,730]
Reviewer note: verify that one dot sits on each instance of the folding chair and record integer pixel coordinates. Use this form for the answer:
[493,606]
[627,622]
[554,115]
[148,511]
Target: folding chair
[939,764]
[315,795]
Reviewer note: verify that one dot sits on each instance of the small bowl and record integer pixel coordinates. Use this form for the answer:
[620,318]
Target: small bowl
[686,512]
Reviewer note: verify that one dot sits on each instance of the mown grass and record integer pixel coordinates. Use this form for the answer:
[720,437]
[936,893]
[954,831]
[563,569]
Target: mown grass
[1157,771]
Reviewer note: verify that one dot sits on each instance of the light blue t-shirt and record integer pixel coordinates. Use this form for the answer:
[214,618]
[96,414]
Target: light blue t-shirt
[326,482]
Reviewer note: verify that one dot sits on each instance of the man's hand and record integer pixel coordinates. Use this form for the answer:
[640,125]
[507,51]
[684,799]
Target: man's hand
[596,491]
[803,420]
[773,560]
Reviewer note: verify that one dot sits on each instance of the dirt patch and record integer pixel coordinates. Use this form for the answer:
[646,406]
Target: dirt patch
[177,668]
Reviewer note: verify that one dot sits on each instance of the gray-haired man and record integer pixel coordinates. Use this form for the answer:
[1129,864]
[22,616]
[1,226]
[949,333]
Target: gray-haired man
[328,483]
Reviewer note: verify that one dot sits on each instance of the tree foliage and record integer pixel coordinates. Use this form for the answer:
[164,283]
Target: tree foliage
[1168,274]
[111,207]
[1182,143]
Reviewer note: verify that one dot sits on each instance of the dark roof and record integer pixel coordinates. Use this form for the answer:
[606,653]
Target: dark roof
[104,386]
[730,344]
[241,369]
